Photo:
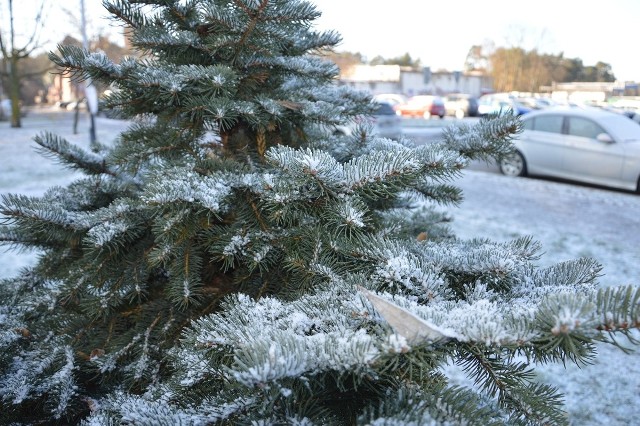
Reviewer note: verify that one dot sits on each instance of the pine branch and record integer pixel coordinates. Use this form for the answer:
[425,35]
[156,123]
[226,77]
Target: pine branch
[127,13]
[618,312]
[491,138]
[434,405]
[73,157]
[513,387]
[82,65]
[40,219]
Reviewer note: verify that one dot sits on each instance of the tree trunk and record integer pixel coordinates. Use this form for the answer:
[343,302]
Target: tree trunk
[14,92]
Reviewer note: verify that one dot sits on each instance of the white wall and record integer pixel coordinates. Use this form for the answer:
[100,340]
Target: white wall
[409,82]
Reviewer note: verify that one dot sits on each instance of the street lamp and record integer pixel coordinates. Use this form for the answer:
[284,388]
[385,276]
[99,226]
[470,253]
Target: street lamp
[90,90]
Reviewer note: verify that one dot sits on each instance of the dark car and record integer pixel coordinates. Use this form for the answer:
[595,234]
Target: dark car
[501,103]
[461,105]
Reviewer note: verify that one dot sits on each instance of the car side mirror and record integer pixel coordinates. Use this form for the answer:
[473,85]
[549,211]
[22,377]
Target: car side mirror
[605,138]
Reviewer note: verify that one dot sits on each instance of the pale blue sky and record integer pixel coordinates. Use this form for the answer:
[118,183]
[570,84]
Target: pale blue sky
[440,33]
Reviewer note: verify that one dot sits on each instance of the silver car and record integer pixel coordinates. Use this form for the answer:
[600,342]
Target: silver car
[587,145]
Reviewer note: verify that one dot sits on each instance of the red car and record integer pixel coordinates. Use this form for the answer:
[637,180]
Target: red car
[424,106]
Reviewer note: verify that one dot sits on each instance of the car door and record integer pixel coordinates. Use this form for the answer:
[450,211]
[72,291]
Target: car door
[542,143]
[589,159]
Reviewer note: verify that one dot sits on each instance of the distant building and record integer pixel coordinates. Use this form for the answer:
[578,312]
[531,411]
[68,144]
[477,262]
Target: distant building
[379,79]
[591,92]
[64,89]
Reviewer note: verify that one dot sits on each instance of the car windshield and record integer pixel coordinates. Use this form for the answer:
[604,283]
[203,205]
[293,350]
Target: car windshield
[621,128]
[386,109]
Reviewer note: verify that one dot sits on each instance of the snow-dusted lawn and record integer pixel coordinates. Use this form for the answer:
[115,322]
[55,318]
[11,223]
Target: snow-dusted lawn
[24,171]
[569,220]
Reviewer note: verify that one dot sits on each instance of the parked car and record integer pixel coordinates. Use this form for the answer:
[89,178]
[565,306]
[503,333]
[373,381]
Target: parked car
[384,121]
[629,107]
[422,106]
[391,98]
[534,102]
[460,105]
[497,103]
[589,145]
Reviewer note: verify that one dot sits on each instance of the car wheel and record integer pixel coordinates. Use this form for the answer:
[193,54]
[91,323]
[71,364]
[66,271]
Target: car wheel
[513,165]
[459,113]
[426,115]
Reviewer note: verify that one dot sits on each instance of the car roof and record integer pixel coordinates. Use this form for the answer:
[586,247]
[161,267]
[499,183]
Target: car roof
[425,97]
[587,112]
[620,127]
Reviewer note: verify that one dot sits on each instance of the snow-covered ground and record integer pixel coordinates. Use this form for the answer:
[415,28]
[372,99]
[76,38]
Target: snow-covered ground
[570,221]
[24,171]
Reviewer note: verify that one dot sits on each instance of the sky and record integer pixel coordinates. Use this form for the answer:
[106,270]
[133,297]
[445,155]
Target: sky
[441,33]
[61,17]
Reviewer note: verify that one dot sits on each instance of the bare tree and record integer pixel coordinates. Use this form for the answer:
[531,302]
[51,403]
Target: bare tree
[13,55]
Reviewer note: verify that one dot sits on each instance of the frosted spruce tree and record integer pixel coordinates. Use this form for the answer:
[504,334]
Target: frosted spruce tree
[229,261]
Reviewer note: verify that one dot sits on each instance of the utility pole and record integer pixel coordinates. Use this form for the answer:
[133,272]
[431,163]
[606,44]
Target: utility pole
[90,90]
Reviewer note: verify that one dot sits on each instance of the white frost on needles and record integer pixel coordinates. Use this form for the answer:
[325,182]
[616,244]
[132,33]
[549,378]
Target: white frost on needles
[398,344]
[208,191]
[278,354]
[352,216]
[104,232]
[236,245]
[406,271]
